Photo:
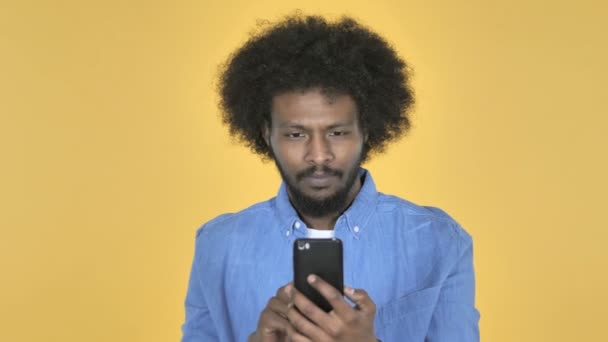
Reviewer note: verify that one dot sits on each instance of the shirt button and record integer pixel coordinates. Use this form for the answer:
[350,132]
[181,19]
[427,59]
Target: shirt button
[297,225]
[287,233]
[356,229]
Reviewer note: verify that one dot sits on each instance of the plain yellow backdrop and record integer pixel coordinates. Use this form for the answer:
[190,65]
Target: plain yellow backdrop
[112,154]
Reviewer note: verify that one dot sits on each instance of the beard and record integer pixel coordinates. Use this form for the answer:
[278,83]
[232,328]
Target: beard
[320,207]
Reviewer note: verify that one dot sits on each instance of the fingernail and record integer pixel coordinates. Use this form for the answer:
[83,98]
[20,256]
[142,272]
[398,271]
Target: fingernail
[349,290]
[312,278]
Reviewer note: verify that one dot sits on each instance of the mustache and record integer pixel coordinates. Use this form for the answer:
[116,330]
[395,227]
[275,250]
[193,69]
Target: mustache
[321,169]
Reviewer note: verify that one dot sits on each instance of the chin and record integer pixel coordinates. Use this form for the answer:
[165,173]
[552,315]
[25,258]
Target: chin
[318,197]
[321,192]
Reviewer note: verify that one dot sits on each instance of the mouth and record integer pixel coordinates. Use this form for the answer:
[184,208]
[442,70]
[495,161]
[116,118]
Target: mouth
[320,180]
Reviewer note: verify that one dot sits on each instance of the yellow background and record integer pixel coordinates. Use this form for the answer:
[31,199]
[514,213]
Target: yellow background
[112,154]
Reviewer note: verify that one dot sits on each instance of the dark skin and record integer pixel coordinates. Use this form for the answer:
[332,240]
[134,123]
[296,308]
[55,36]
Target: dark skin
[308,128]
[311,129]
[290,316]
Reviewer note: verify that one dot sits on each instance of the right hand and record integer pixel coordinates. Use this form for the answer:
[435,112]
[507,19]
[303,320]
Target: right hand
[273,325]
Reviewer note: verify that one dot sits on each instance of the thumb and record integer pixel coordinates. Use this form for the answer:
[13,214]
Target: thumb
[360,298]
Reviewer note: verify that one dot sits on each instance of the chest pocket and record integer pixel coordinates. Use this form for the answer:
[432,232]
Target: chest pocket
[407,318]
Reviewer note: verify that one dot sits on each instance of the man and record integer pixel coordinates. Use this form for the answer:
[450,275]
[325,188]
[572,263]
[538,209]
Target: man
[318,98]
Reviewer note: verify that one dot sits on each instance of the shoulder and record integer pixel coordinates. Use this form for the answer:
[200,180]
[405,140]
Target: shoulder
[416,217]
[233,231]
[230,223]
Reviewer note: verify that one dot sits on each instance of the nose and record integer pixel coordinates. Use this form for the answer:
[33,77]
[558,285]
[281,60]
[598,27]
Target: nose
[319,150]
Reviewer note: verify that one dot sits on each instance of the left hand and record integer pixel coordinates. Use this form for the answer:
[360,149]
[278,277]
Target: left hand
[343,323]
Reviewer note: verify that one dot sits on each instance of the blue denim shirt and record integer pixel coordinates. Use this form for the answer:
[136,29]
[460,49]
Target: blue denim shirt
[415,262]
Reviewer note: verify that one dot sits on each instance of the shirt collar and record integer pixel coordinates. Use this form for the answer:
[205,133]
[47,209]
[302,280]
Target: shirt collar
[355,217]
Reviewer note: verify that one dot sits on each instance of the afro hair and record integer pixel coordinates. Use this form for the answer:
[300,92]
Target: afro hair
[306,52]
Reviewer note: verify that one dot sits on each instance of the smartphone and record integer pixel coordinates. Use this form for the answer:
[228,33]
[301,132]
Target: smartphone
[322,257]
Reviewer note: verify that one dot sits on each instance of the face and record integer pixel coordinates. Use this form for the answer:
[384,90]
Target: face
[317,144]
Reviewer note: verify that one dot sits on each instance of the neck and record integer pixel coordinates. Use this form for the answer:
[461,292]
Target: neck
[328,221]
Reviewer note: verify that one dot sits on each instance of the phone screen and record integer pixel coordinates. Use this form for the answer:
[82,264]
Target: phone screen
[322,257]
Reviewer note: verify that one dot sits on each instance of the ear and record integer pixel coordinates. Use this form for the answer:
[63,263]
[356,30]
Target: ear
[364,130]
[266,132]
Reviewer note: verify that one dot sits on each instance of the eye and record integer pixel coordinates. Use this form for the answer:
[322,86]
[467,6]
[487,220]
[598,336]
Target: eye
[338,133]
[294,135]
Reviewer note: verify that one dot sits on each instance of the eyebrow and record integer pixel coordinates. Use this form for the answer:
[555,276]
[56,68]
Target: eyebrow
[298,126]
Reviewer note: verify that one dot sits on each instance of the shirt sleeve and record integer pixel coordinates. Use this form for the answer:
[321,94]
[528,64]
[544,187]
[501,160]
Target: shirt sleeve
[198,326]
[455,318]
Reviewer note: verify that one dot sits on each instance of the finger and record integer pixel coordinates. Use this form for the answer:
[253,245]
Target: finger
[297,337]
[284,293]
[333,296]
[361,298]
[330,323]
[272,324]
[302,324]
[277,306]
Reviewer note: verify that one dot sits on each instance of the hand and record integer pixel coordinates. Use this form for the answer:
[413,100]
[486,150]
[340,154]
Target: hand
[343,323]
[272,324]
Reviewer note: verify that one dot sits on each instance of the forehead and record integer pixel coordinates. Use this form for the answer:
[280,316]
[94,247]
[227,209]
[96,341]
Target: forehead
[313,107]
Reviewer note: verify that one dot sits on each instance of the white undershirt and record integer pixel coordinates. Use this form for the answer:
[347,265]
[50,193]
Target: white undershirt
[320,233]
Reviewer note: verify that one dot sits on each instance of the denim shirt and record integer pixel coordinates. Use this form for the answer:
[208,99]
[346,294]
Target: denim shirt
[416,263]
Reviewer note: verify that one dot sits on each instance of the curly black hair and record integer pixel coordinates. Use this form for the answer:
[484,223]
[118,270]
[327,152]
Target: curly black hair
[305,52]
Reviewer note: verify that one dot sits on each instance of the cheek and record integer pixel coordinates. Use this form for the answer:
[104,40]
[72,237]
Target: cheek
[288,155]
[349,153]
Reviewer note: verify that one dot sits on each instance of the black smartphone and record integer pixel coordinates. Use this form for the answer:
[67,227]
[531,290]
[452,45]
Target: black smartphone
[322,257]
